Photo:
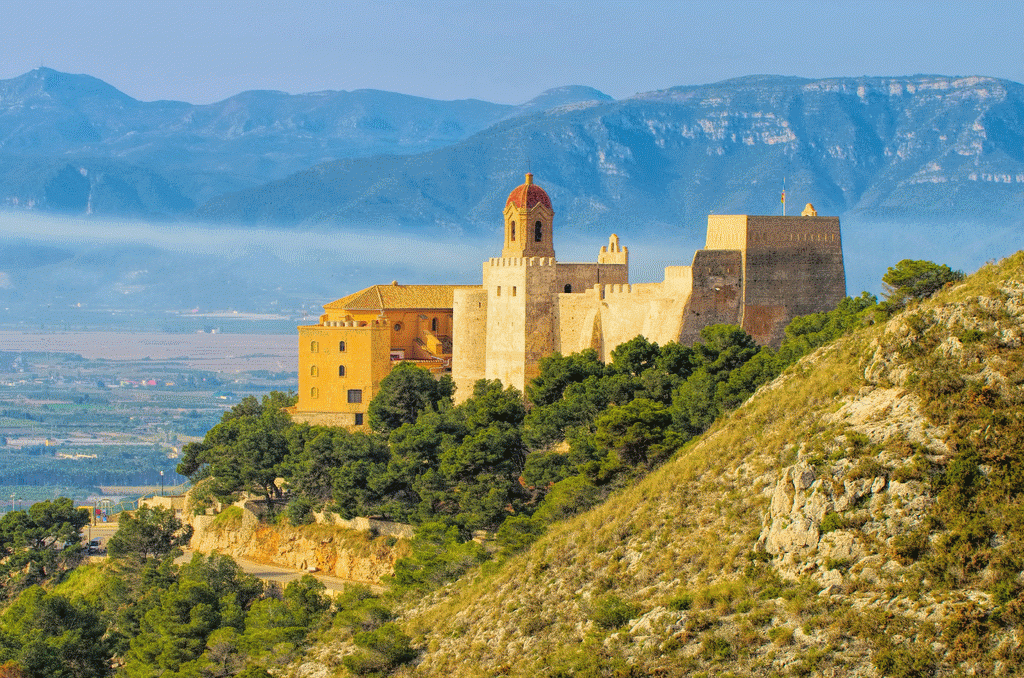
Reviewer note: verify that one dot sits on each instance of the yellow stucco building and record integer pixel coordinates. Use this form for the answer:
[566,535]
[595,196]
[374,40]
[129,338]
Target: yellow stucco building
[343,358]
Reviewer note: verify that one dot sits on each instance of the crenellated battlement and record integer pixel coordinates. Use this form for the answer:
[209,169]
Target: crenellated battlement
[522,261]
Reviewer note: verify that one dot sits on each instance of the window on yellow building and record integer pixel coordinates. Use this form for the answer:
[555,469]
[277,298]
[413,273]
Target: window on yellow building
[398,327]
[513,291]
[513,238]
[359,418]
[499,290]
[314,392]
[314,346]
[433,325]
[355,395]
[314,372]
[538,234]
[341,346]
[341,370]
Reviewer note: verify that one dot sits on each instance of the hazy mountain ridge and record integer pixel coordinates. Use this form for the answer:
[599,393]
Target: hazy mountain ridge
[816,530]
[922,147]
[204,150]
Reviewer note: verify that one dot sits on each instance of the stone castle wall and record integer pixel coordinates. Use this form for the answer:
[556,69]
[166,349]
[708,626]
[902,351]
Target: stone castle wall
[520,317]
[793,266]
[469,336]
[717,292]
[581,277]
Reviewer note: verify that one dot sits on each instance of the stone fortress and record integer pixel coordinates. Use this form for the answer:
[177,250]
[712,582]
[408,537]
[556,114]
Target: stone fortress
[758,272]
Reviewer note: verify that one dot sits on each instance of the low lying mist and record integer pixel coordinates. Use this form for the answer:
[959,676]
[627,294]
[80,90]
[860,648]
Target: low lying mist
[74,273]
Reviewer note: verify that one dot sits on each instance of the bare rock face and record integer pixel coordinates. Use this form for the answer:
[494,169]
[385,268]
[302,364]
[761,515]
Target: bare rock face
[335,551]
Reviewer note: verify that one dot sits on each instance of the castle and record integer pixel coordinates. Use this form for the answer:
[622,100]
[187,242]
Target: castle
[758,272]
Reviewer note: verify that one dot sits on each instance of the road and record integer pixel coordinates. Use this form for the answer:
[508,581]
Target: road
[270,573]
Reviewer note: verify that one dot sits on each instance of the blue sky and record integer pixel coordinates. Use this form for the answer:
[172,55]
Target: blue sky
[500,51]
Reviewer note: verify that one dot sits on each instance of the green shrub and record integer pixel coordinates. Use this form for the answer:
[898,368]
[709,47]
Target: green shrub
[300,511]
[908,547]
[382,649]
[610,612]
[867,468]
[833,521]
[905,662]
[518,532]
[716,648]
[781,635]
[684,601]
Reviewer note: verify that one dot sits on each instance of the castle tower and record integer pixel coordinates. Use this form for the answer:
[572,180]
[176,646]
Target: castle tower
[528,222]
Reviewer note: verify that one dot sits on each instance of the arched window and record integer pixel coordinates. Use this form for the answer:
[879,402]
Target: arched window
[314,346]
[341,370]
[313,371]
[341,346]
[433,325]
[513,232]
[538,233]
[314,392]
[568,289]
[398,327]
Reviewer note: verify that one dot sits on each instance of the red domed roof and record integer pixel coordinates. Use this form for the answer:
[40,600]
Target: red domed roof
[528,195]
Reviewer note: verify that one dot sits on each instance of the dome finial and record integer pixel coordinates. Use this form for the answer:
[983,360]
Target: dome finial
[529,178]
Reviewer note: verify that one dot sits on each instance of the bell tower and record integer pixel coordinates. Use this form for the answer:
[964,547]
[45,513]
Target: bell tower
[528,222]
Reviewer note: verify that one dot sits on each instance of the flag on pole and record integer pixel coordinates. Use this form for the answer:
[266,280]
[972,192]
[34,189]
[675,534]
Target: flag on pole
[783,197]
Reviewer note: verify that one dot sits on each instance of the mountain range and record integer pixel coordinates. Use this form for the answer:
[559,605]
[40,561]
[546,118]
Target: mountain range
[922,148]
[73,143]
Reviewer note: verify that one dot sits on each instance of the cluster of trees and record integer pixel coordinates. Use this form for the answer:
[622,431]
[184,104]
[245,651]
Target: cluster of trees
[39,545]
[152,617]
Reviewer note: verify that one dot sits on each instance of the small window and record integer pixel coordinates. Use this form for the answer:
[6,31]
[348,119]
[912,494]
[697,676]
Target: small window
[499,290]
[513,291]
[433,325]
[359,418]
[341,346]
[568,289]
[538,231]
[355,395]
[314,346]
[341,370]
[314,372]
[314,392]
[398,327]
[513,232]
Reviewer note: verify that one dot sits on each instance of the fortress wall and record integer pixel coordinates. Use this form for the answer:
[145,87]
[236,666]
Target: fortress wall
[520,295]
[727,232]
[578,326]
[469,340]
[541,317]
[651,310]
[794,266]
[717,292]
[582,277]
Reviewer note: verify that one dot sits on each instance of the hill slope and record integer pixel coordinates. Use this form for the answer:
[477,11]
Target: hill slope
[860,515]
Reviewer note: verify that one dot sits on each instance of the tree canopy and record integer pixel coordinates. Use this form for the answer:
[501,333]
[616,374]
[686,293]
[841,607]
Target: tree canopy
[910,279]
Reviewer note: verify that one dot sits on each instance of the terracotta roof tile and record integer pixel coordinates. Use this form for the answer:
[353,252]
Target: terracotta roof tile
[529,194]
[383,297]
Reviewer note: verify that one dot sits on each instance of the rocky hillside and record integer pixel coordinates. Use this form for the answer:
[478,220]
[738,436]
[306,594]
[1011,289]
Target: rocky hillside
[859,516]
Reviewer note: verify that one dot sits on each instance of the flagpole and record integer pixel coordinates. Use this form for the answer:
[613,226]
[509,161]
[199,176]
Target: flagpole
[783,196]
